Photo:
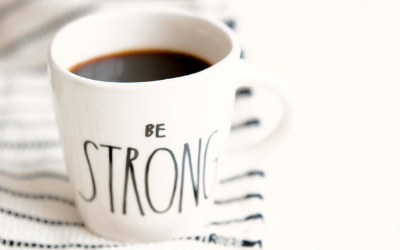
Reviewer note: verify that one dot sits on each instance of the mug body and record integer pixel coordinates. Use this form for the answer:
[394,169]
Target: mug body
[143,157]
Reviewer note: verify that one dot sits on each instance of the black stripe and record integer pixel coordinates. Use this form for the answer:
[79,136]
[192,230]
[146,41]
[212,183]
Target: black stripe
[247,243]
[246,197]
[35,175]
[37,196]
[39,162]
[227,222]
[245,175]
[213,238]
[51,26]
[232,241]
[36,93]
[249,123]
[230,23]
[30,69]
[40,220]
[242,54]
[25,244]
[41,109]
[11,7]
[29,144]
[244,92]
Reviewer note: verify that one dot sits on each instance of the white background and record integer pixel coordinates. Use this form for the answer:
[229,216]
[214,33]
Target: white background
[343,58]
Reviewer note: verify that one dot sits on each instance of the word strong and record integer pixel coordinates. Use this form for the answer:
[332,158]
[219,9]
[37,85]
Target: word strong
[132,154]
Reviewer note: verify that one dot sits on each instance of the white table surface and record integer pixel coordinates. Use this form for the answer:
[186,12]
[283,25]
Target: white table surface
[335,184]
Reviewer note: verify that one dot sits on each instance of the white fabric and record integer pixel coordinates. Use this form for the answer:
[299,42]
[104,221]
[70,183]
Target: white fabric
[36,201]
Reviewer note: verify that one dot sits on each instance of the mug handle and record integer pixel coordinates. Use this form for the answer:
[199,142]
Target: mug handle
[259,112]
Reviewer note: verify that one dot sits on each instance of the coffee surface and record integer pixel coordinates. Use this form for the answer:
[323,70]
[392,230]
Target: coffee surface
[139,66]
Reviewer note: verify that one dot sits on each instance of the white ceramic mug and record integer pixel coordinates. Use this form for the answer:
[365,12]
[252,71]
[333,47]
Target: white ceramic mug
[143,157]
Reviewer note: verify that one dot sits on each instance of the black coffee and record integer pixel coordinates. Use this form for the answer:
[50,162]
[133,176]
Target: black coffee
[139,66]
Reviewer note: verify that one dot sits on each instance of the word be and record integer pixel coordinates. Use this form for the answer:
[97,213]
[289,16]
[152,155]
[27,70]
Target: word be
[149,130]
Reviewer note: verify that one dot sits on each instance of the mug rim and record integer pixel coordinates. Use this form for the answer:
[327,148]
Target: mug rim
[234,51]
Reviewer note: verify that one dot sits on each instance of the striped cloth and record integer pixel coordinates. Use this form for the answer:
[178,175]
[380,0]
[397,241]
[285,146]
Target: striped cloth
[37,209]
